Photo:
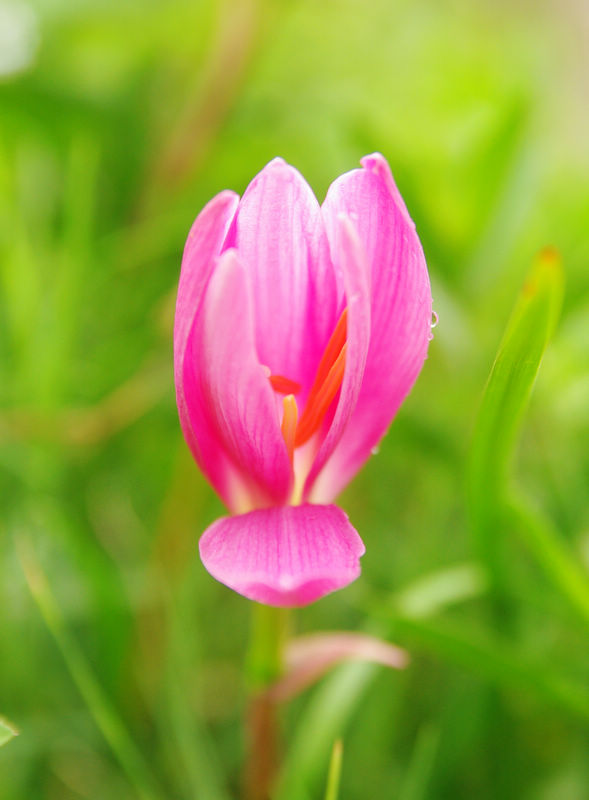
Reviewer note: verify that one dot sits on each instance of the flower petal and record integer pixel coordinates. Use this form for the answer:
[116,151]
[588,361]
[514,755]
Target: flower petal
[284,556]
[203,246]
[238,399]
[279,236]
[401,308]
[309,657]
[349,257]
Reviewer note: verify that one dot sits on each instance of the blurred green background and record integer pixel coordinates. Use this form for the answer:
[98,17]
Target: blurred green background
[118,121]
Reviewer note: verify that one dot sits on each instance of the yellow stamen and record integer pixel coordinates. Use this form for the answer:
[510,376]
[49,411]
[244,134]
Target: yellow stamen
[289,423]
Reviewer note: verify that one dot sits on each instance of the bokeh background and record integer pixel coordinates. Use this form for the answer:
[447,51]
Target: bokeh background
[118,121]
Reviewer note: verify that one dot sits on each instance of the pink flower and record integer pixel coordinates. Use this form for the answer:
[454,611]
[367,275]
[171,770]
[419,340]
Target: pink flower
[299,331]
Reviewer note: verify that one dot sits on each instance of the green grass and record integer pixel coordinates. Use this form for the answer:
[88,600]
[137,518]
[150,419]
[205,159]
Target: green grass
[123,665]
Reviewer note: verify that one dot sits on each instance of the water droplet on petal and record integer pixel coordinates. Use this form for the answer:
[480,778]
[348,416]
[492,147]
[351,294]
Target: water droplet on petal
[435,319]
[375,450]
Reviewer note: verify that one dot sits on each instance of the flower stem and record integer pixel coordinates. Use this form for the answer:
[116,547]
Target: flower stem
[265,665]
[268,635]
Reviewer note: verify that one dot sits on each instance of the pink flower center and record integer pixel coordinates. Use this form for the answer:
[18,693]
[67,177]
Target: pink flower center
[328,380]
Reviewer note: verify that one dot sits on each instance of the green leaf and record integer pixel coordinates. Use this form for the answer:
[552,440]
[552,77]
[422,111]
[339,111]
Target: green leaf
[504,401]
[553,556]
[486,657]
[7,731]
[335,771]
[493,661]
[502,409]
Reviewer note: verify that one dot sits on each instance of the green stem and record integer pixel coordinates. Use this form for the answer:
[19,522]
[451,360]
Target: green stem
[265,664]
[269,631]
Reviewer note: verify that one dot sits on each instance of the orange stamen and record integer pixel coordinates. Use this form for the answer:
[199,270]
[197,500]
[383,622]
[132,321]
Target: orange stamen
[289,423]
[331,352]
[328,379]
[320,399]
[284,385]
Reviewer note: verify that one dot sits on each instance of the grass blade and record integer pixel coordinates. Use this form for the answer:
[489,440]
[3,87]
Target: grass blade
[339,694]
[335,771]
[417,779]
[192,746]
[438,590]
[504,402]
[322,721]
[495,662]
[105,716]
[554,557]
[7,731]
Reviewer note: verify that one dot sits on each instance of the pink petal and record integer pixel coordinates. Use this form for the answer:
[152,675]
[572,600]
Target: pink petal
[203,246]
[279,236]
[308,658]
[348,255]
[283,556]
[238,401]
[401,308]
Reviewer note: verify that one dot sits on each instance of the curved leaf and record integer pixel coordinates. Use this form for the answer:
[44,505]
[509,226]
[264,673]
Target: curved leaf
[504,401]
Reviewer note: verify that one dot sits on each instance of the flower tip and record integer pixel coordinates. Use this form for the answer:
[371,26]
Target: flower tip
[277,161]
[212,221]
[225,196]
[377,164]
[374,162]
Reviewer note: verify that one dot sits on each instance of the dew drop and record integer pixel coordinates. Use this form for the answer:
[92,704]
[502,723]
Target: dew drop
[435,319]
[375,450]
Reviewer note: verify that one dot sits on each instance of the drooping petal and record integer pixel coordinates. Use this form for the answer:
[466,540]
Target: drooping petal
[401,308]
[280,239]
[203,246]
[348,255]
[238,400]
[309,657]
[283,556]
